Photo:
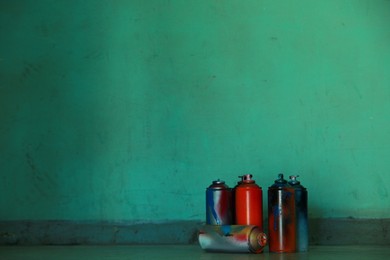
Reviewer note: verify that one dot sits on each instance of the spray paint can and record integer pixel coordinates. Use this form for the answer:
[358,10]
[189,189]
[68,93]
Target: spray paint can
[281,217]
[302,233]
[219,208]
[232,238]
[248,202]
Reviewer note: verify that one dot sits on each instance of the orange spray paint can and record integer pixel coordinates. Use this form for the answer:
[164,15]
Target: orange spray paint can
[248,202]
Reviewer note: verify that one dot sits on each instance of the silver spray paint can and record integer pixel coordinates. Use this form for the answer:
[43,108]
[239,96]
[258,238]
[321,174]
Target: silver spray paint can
[219,204]
[232,238]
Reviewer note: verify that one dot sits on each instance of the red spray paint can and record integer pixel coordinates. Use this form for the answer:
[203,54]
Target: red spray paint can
[248,202]
[281,217]
[219,204]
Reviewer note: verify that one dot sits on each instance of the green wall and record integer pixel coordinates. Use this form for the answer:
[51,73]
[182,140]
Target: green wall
[127,110]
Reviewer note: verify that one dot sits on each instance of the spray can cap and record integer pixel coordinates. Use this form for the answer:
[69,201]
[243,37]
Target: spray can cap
[293,180]
[218,184]
[218,181]
[280,182]
[280,179]
[246,178]
[295,183]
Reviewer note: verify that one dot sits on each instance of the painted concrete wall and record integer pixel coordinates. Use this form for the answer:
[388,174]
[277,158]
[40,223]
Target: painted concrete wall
[127,110]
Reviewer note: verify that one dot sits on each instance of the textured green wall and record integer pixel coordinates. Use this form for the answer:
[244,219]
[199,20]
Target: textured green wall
[127,110]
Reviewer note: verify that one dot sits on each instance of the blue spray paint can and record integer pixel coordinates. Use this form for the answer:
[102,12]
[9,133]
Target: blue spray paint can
[219,204]
[302,233]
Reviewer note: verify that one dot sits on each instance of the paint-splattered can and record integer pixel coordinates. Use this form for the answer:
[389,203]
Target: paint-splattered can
[248,202]
[302,233]
[281,217]
[232,238]
[219,208]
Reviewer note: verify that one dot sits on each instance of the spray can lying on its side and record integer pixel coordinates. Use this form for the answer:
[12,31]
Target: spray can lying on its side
[300,195]
[219,208]
[232,238]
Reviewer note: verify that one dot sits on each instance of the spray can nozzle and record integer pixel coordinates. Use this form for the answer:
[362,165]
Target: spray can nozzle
[280,179]
[247,177]
[293,180]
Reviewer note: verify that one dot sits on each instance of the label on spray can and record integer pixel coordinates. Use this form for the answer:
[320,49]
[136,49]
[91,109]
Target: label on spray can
[219,210]
[232,238]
